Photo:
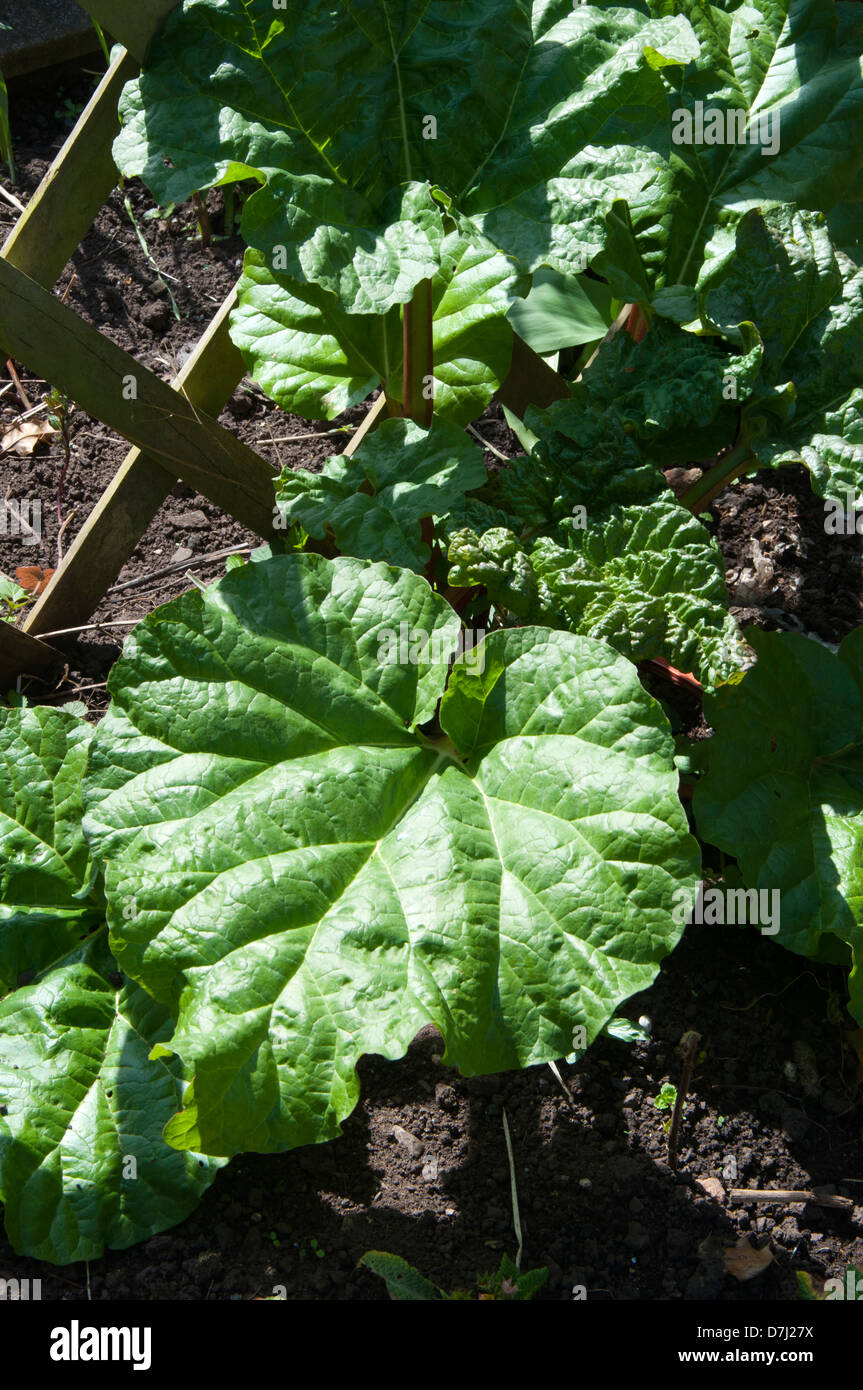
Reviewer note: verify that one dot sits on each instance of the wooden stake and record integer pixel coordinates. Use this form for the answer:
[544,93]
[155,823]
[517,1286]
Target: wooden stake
[20,652]
[112,386]
[784,1195]
[118,521]
[63,208]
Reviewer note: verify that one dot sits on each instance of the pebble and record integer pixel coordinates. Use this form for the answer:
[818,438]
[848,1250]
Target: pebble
[414,1146]
[156,316]
[189,521]
[446,1097]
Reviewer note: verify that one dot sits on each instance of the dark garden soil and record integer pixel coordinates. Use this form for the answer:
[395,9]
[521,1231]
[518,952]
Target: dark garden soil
[421,1168]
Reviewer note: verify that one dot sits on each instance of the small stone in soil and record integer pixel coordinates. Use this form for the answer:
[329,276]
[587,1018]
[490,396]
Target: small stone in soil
[156,317]
[637,1237]
[408,1141]
[189,521]
[713,1187]
[446,1097]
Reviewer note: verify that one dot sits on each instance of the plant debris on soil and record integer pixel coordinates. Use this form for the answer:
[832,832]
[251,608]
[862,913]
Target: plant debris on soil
[421,1169]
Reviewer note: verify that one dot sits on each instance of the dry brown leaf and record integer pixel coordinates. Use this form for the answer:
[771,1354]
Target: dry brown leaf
[33,578]
[23,439]
[744,1261]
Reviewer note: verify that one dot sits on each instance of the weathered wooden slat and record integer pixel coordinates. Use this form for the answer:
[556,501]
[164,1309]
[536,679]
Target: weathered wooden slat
[64,206]
[37,329]
[108,538]
[132,22]
[40,245]
[21,654]
[125,510]
[371,422]
[116,524]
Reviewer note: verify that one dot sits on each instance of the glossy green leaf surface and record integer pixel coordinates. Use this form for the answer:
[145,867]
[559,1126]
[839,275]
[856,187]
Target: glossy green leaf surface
[372,502]
[83,1165]
[784,788]
[46,906]
[314,359]
[530,105]
[771,111]
[315,879]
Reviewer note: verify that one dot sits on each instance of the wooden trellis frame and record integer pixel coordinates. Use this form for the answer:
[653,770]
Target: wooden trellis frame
[172,429]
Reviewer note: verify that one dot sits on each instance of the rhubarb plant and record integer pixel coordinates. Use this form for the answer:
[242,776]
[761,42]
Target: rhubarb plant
[306,848]
[317,817]
[315,877]
[444,164]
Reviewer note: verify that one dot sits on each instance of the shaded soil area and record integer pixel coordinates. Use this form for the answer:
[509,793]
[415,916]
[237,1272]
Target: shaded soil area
[421,1168]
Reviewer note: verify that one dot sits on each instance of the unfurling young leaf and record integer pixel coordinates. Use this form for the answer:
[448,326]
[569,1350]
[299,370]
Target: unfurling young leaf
[372,502]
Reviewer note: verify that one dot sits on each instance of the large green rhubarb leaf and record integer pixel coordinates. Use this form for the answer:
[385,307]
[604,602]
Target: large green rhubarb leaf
[316,360]
[672,389]
[783,273]
[372,502]
[529,117]
[83,1164]
[314,879]
[825,430]
[805,299]
[46,902]
[771,111]
[651,582]
[784,788]
[311,357]
[82,1161]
